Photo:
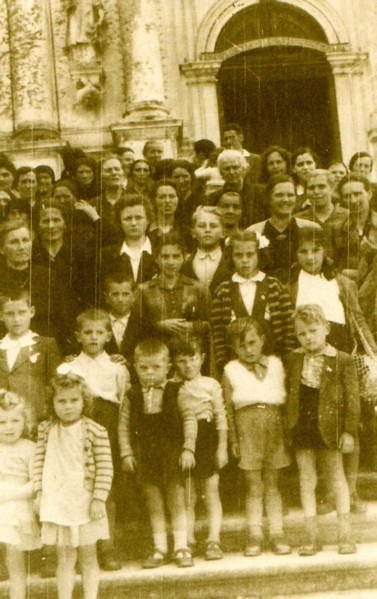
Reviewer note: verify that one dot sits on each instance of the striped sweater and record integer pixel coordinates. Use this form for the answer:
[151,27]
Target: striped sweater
[98,467]
[227,305]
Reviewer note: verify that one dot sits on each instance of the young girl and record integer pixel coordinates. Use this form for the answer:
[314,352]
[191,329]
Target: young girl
[18,526]
[254,392]
[203,396]
[322,417]
[72,479]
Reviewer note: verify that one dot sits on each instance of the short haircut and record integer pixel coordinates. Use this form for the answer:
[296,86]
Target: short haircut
[7,165]
[358,155]
[130,200]
[46,170]
[61,382]
[304,150]
[23,170]
[264,176]
[354,178]
[204,147]
[319,172]
[233,127]
[51,203]
[275,180]
[93,315]
[121,150]
[200,210]
[15,295]
[318,236]
[12,225]
[11,401]
[172,238]
[237,329]
[244,237]
[151,142]
[227,155]
[309,314]
[186,346]
[150,347]
[106,158]
[117,277]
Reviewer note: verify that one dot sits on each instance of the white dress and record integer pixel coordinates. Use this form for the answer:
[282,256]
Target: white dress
[18,523]
[65,502]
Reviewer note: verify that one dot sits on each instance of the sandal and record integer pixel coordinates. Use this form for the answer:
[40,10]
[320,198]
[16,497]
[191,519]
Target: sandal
[213,551]
[155,560]
[183,558]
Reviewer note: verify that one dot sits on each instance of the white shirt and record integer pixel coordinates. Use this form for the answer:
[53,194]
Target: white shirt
[104,378]
[205,264]
[13,346]
[134,253]
[248,288]
[317,289]
[119,326]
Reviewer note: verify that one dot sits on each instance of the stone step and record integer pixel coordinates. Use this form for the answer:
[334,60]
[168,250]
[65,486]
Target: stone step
[235,577]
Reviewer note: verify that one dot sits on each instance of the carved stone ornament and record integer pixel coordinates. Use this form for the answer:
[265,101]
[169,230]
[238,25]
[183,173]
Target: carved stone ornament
[89,88]
[85,23]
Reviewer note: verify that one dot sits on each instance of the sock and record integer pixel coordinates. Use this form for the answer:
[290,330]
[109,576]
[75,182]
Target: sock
[274,511]
[180,539]
[255,516]
[160,540]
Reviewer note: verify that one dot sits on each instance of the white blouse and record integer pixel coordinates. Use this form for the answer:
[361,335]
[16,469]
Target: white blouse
[315,289]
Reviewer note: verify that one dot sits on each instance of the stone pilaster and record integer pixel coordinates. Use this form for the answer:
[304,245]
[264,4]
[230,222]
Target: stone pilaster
[6,108]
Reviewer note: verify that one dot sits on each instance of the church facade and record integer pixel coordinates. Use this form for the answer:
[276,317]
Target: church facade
[103,72]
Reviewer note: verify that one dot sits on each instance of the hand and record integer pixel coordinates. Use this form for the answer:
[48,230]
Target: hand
[70,357]
[175,326]
[346,443]
[37,502]
[235,449]
[88,209]
[129,464]
[119,359]
[97,509]
[187,460]
[221,457]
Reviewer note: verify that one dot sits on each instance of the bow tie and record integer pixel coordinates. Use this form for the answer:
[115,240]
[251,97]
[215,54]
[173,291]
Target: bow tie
[258,368]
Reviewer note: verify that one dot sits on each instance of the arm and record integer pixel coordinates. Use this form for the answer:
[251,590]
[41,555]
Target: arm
[53,358]
[189,421]
[350,386]
[123,382]
[39,457]
[220,318]
[229,405]
[103,465]
[124,434]
[282,310]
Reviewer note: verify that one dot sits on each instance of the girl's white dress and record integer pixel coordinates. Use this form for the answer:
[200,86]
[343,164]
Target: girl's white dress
[18,522]
[65,502]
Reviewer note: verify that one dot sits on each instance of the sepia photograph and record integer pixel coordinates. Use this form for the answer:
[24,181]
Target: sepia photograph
[188,299]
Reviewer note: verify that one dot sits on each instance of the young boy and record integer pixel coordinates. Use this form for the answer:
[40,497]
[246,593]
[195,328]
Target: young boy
[208,263]
[108,382]
[27,360]
[159,446]
[322,417]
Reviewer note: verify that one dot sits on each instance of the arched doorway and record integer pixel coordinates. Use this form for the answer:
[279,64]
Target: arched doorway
[281,90]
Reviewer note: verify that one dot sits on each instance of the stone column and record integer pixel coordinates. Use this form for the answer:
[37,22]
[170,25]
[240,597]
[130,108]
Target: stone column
[32,67]
[348,70]
[145,94]
[201,79]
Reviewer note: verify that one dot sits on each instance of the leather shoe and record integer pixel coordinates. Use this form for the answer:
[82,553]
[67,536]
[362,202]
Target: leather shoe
[279,545]
[253,547]
[109,562]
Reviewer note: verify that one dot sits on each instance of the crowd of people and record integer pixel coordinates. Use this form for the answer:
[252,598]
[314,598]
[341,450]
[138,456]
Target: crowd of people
[168,323]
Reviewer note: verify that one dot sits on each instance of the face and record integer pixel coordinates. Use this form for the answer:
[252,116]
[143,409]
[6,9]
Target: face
[188,367]
[232,140]
[127,159]
[166,200]
[250,349]
[84,175]
[283,199]
[275,164]
[68,405]
[16,316]
[245,258]
[337,172]
[182,179]
[45,183]
[303,166]
[27,186]
[119,298]
[17,248]
[12,424]
[141,172]
[112,173]
[92,336]
[232,171]
[154,153]
[51,225]
[355,197]
[4,198]
[133,221]
[318,190]
[65,196]
[310,257]
[208,231]
[6,179]
[363,166]
[170,260]
[312,337]
[152,370]
[231,209]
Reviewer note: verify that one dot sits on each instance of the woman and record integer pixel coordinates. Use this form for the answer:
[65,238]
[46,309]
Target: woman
[46,179]
[303,162]
[183,175]
[26,185]
[165,200]
[275,160]
[281,229]
[140,178]
[84,175]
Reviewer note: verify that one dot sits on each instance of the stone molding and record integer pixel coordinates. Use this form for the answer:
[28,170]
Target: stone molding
[347,63]
[205,71]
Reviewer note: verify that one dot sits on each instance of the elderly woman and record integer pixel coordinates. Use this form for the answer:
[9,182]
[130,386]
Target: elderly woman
[111,188]
[84,175]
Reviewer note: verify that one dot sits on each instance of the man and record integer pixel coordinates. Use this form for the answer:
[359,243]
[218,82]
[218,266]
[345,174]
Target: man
[233,168]
[232,139]
[153,152]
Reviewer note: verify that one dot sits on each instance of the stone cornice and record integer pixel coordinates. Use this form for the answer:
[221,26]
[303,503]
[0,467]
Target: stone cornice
[347,63]
[201,71]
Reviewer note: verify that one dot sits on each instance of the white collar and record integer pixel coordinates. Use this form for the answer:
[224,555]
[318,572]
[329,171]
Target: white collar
[260,276]
[26,340]
[328,351]
[131,251]
[214,254]
[123,319]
